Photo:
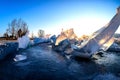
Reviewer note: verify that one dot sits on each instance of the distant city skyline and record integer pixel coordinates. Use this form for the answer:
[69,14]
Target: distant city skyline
[85,16]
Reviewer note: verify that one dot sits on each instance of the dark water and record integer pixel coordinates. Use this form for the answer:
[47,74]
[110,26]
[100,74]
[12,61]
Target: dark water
[44,64]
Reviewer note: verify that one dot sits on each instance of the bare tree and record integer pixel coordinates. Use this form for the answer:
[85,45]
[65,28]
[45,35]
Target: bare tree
[15,26]
[12,27]
[41,33]
[5,35]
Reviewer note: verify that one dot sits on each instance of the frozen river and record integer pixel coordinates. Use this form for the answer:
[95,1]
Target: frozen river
[44,64]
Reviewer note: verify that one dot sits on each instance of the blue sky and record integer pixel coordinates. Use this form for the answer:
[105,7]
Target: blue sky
[85,16]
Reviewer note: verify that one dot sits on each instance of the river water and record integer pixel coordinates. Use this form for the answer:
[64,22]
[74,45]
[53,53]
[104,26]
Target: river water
[43,63]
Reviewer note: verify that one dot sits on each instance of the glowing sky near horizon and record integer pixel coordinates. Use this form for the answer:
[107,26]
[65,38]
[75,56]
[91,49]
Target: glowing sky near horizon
[85,16]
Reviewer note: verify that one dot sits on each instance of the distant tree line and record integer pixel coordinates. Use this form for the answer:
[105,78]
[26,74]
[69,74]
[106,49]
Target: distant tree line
[40,33]
[18,28]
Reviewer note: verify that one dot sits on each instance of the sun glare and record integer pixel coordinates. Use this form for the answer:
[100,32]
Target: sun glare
[82,26]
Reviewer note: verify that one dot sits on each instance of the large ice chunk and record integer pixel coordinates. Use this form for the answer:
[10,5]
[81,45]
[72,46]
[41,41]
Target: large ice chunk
[24,41]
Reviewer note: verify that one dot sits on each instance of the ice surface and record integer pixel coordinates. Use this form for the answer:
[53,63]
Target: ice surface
[39,40]
[107,76]
[42,60]
[108,59]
